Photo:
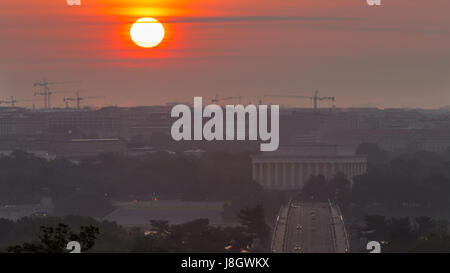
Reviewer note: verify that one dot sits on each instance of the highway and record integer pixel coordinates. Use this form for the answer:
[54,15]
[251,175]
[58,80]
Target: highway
[314,227]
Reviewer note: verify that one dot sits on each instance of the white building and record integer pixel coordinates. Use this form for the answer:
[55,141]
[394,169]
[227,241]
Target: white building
[290,166]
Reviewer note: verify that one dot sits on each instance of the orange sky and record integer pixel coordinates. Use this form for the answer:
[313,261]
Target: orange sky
[394,55]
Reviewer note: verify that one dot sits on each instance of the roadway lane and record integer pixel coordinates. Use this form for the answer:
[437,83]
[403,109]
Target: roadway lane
[309,229]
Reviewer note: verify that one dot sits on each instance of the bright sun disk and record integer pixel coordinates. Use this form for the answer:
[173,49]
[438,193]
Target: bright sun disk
[147,32]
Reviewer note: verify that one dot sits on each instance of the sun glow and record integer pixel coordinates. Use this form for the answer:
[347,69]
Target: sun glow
[147,32]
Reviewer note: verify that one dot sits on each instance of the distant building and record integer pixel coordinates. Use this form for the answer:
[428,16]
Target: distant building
[291,166]
[103,123]
[195,152]
[69,148]
[392,140]
[76,148]
[394,130]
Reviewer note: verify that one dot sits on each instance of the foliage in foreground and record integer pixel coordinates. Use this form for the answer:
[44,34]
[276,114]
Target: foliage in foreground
[421,235]
[95,236]
[55,240]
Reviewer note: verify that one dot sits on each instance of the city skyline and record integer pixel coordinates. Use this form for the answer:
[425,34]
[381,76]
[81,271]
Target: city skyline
[395,55]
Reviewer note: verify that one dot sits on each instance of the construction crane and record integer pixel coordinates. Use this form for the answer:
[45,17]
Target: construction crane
[314,98]
[216,100]
[13,101]
[78,99]
[46,90]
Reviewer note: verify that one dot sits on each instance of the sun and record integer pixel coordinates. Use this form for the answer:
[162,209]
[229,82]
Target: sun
[147,32]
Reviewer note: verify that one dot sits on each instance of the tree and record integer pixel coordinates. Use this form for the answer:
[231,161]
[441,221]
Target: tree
[376,227]
[339,190]
[401,236]
[375,155]
[315,188]
[160,227]
[425,226]
[447,153]
[253,220]
[55,240]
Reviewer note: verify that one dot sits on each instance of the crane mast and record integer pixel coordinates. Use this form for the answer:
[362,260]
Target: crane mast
[78,99]
[315,99]
[46,92]
[12,101]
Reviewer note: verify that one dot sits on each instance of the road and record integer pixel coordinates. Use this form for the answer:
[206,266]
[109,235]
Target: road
[314,227]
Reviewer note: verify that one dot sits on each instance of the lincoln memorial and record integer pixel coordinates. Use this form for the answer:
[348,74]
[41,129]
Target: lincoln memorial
[290,166]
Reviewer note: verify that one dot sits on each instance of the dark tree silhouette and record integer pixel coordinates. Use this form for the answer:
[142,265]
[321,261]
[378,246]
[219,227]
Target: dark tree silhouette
[55,240]
[375,155]
[160,227]
[254,222]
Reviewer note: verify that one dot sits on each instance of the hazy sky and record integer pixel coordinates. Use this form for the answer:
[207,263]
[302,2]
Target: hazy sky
[389,56]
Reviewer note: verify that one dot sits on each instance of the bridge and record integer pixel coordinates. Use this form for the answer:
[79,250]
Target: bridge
[310,227]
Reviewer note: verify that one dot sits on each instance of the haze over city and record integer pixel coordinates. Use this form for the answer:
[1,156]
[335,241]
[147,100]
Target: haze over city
[395,55]
[218,134]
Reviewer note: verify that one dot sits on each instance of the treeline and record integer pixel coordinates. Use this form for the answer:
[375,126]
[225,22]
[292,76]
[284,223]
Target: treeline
[419,180]
[420,235]
[89,187]
[51,235]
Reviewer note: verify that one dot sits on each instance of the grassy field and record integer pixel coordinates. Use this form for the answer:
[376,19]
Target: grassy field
[176,212]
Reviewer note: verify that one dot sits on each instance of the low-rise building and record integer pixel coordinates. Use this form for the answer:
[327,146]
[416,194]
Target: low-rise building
[76,148]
